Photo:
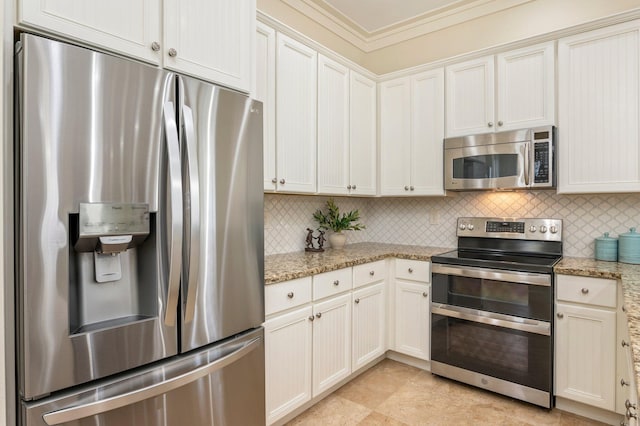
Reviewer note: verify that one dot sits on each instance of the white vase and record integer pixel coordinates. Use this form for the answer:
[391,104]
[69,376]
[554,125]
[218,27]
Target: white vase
[337,240]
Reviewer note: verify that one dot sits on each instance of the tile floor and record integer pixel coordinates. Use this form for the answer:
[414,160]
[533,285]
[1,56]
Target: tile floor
[395,394]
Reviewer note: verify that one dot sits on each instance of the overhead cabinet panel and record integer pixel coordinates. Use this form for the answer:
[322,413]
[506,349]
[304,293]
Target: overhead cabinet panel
[362,135]
[264,90]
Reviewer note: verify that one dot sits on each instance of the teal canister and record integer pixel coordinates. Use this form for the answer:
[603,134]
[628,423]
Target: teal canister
[607,248]
[629,247]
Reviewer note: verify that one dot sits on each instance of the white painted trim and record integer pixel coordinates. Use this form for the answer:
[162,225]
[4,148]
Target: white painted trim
[402,31]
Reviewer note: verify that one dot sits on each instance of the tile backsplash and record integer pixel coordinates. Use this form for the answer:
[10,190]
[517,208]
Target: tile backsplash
[431,221]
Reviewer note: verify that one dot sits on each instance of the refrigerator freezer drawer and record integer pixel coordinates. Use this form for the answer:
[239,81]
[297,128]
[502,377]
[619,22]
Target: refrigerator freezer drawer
[222,384]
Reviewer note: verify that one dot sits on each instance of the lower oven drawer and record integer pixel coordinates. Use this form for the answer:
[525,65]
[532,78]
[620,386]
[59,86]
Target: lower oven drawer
[508,354]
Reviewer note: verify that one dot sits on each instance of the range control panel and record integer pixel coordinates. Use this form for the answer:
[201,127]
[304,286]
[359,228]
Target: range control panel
[514,228]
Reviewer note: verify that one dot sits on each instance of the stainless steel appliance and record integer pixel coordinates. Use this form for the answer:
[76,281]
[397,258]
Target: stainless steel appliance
[517,159]
[492,305]
[139,242]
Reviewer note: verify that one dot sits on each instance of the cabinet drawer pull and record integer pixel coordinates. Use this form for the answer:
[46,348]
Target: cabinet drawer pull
[155,46]
[425,294]
[282,181]
[173,52]
[628,405]
[372,273]
[585,291]
[336,282]
[290,295]
[560,315]
[623,383]
[357,301]
[410,270]
[311,317]
[319,315]
[624,344]
[274,180]
[406,188]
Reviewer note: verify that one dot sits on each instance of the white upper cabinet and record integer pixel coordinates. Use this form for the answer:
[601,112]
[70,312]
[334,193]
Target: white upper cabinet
[296,81]
[519,95]
[129,27]
[212,40]
[362,135]
[526,87]
[411,133]
[264,90]
[470,97]
[333,127]
[598,114]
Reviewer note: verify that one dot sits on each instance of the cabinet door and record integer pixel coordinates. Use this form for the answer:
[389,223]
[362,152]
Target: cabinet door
[412,319]
[212,40]
[585,354]
[296,77]
[598,110]
[333,127]
[362,135]
[331,342]
[470,97]
[526,87]
[395,150]
[264,90]
[128,27]
[427,132]
[288,340]
[369,319]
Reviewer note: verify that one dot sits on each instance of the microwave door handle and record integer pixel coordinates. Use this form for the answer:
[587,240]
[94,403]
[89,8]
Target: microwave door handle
[193,212]
[527,164]
[175,192]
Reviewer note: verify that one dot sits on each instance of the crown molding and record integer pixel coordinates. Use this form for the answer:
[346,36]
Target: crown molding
[397,33]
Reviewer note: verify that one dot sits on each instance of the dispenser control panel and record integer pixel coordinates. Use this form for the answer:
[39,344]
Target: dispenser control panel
[113,219]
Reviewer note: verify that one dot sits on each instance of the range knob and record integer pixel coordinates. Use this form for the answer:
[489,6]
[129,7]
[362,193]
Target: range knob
[532,228]
[462,227]
[553,229]
[470,227]
[543,229]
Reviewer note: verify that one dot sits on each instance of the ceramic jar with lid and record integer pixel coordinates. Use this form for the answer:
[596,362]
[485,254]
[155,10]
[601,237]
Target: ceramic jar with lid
[607,248]
[629,247]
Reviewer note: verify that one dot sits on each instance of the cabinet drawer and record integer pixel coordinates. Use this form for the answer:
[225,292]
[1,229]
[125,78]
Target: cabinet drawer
[415,270]
[591,291]
[330,283]
[288,294]
[369,273]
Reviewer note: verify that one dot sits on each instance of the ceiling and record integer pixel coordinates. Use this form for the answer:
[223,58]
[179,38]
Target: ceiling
[374,24]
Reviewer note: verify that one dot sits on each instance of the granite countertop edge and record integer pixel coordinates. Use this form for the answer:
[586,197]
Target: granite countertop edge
[289,266]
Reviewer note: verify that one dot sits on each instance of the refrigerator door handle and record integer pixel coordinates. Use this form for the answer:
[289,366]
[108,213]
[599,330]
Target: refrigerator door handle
[98,407]
[175,191]
[192,212]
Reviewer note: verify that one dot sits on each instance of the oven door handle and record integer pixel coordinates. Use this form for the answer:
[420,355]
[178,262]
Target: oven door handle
[493,274]
[491,318]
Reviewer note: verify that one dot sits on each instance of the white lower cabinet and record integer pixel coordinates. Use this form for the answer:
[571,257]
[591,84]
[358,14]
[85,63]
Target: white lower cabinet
[585,341]
[412,319]
[288,345]
[369,320]
[331,342]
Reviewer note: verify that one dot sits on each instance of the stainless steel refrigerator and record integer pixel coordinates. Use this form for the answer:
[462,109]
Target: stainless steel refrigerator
[139,242]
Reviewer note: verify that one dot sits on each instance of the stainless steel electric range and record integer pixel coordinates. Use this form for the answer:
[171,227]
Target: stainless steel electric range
[492,306]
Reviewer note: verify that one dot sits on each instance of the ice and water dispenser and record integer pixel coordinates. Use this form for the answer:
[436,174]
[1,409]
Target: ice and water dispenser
[112,272]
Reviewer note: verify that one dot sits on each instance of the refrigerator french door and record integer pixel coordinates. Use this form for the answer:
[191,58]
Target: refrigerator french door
[139,243]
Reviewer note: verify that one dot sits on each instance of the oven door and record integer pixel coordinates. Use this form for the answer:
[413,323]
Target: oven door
[502,165]
[516,294]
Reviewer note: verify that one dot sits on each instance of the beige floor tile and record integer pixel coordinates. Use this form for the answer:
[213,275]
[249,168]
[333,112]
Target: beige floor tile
[376,419]
[568,419]
[333,410]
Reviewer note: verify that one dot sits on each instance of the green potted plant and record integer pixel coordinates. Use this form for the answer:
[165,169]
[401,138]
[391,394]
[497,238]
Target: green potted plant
[337,222]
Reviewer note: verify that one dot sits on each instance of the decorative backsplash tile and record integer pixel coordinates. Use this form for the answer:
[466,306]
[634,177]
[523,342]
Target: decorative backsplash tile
[431,221]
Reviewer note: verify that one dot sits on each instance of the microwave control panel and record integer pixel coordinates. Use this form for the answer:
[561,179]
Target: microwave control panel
[542,154]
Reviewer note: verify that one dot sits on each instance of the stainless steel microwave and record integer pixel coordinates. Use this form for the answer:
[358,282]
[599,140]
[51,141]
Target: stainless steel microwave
[518,159]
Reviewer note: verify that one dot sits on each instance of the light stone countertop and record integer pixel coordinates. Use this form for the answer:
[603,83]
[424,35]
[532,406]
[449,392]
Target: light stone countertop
[289,266]
[629,276]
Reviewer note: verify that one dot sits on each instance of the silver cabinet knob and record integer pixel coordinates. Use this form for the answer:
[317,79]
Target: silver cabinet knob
[319,315]
[410,270]
[585,291]
[348,186]
[490,124]
[155,46]
[425,294]
[372,273]
[411,188]
[274,180]
[623,343]
[623,383]
[500,123]
[311,317]
[406,188]
[357,301]
[281,181]
[173,52]
[629,405]
[336,282]
[353,187]
[560,315]
[290,295]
